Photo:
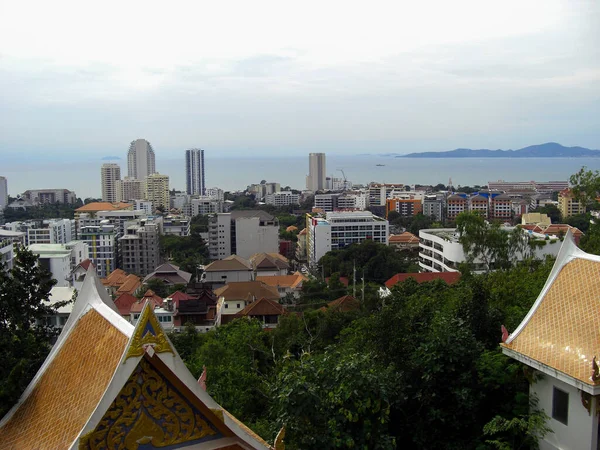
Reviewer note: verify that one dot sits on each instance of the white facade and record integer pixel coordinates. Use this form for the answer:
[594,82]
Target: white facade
[140,159]
[143,205]
[338,230]
[205,205]
[215,193]
[177,226]
[440,251]
[52,231]
[242,233]
[283,198]
[8,241]
[61,259]
[379,193]
[102,242]
[194,172]
[109,174]
[3,193]
[315,180]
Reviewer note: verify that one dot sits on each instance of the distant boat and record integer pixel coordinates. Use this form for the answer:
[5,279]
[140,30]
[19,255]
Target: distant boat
[380,165]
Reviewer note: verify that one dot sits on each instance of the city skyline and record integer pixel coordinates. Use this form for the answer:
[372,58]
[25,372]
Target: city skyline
[392,78]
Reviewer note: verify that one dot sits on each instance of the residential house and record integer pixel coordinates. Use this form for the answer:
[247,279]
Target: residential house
[404,241]
[223,271]
[78,273]
[264,310]
[235,296]
[199,309]
[169,274]
[285,284]
[119,282]
[346,303]
[269,264]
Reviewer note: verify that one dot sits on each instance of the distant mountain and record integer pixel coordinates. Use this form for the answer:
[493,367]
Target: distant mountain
[548,150]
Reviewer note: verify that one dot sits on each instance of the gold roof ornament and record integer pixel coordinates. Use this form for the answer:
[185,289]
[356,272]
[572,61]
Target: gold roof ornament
[148,337]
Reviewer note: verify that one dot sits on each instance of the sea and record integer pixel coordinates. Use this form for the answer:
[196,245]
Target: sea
[236,173]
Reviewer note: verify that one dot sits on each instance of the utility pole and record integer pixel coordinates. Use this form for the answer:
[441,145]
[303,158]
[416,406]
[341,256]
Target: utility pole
[363,287]
[354,280]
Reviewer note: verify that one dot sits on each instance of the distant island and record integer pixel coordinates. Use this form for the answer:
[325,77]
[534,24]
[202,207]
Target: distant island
[548,150]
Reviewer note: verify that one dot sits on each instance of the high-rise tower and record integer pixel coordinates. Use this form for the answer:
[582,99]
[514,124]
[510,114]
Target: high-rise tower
[194,171]
[3,193]
[315,180]
[110,174]
[140,159]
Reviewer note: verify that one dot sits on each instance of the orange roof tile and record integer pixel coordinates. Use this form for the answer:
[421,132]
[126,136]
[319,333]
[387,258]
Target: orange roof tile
[68,391]
[448,277]
[104,206]
[404,238]
[564,330]
[245,290]
[263,307]
[130,284]
[115,278]
[285,281]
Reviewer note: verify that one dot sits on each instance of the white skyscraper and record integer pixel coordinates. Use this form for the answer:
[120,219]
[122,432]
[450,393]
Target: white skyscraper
[3,193]
[140,159]
[110,174]
[315,180]
[194,171]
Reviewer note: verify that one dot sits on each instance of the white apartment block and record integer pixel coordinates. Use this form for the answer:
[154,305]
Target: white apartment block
[3,193]
[263,189]
[204,206]
[109,175]
[216,193]
[49,231]
[140,159]
[117,218]
[61,259]
[42,196]
[338,230]
[242,233]
[179,200]
[130,189]
[315,180]
[176,225]
[353,200]
[440,251]
[8,241]
[379,193]
[157,191]
[283,198]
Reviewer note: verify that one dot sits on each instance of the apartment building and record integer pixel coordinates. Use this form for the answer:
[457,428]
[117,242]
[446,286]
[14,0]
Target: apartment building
[242,233]
[501,207]
[282,198]
[433,206]
[337,230]
[379,193]
[176,225]
[42,196]
[195,183]
[261,190]
[9,240]
[129,189]
[317,168]
[109,175]
[203,206]
[3,193]
[479,204]
[139,248]
[141,161]
[102,242]
[61,259]
[349,200]
[568,205]
[406,207]
[456,204]
[157,191]
[49,231]
[440,250]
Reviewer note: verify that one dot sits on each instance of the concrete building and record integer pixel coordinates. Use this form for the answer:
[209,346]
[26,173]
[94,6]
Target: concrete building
[406,207]
[440,251]
[9,240]
[568,205]
[558,341]
[139,248]
[179,200]
[143,205]
[337,184]
[176,225]
[194,172]
[282,198]
[216,193]
[3,193]
[456,204]
[130,189]
[157,191]
[536,186]
[433,206]
[61,259]
[48,231]
[109,174]
[379,193]
[140,159]
[349,200]
[337,230]
[233,268]
[43,196]
[102,242]
[204,206]
[261,190]
[242,233]
[315,180]
[501,207]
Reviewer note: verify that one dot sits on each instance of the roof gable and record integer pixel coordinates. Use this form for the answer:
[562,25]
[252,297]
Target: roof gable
[263,307]
[233,262]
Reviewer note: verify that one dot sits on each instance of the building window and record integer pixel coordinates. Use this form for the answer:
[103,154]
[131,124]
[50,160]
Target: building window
[560,406]
[238,305]
[226,305]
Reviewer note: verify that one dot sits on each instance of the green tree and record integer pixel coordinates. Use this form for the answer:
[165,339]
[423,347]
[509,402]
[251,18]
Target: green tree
[25,337]
[552,212]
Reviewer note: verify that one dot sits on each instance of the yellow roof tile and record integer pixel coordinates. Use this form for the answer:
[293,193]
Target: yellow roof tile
[564,331]
[68,391]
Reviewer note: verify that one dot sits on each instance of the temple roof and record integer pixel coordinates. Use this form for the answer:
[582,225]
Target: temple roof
[107,384]
[561,332]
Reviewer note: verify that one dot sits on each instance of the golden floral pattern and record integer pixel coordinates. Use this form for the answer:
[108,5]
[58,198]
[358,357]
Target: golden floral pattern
[148,410]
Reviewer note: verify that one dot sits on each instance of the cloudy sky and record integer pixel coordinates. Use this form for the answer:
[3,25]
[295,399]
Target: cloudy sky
[265,77]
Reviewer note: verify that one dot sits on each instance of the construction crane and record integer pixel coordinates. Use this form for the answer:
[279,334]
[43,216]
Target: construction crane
[344,174]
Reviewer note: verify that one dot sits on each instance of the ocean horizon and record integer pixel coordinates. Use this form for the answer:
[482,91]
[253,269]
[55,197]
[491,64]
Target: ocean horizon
[236,173]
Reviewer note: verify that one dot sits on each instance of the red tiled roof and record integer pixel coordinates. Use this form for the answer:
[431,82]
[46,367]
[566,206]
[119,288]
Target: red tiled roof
[130,284]
[263,307]
[448,277]
[104,206]
[124,302]
[344,304]
[404,238]
[85,264]
[291,281]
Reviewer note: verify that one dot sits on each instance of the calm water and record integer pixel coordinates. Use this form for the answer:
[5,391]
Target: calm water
[237,173]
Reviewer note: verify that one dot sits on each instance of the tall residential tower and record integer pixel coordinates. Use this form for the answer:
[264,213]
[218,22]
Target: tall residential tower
[140,159]
[194,171]
[111,175]
[315,180]
[3,193]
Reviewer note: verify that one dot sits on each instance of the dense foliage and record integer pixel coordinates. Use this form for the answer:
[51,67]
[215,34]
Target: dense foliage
[419,369]
[187,252]
[23,344]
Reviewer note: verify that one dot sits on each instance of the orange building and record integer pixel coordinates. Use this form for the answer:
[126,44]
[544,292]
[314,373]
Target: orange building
[404,207]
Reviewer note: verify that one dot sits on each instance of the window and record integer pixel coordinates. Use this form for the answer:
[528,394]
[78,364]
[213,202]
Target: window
[238,305]
[226,305]
[560,406]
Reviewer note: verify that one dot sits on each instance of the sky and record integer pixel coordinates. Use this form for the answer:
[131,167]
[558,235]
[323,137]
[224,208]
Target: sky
[81,80]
